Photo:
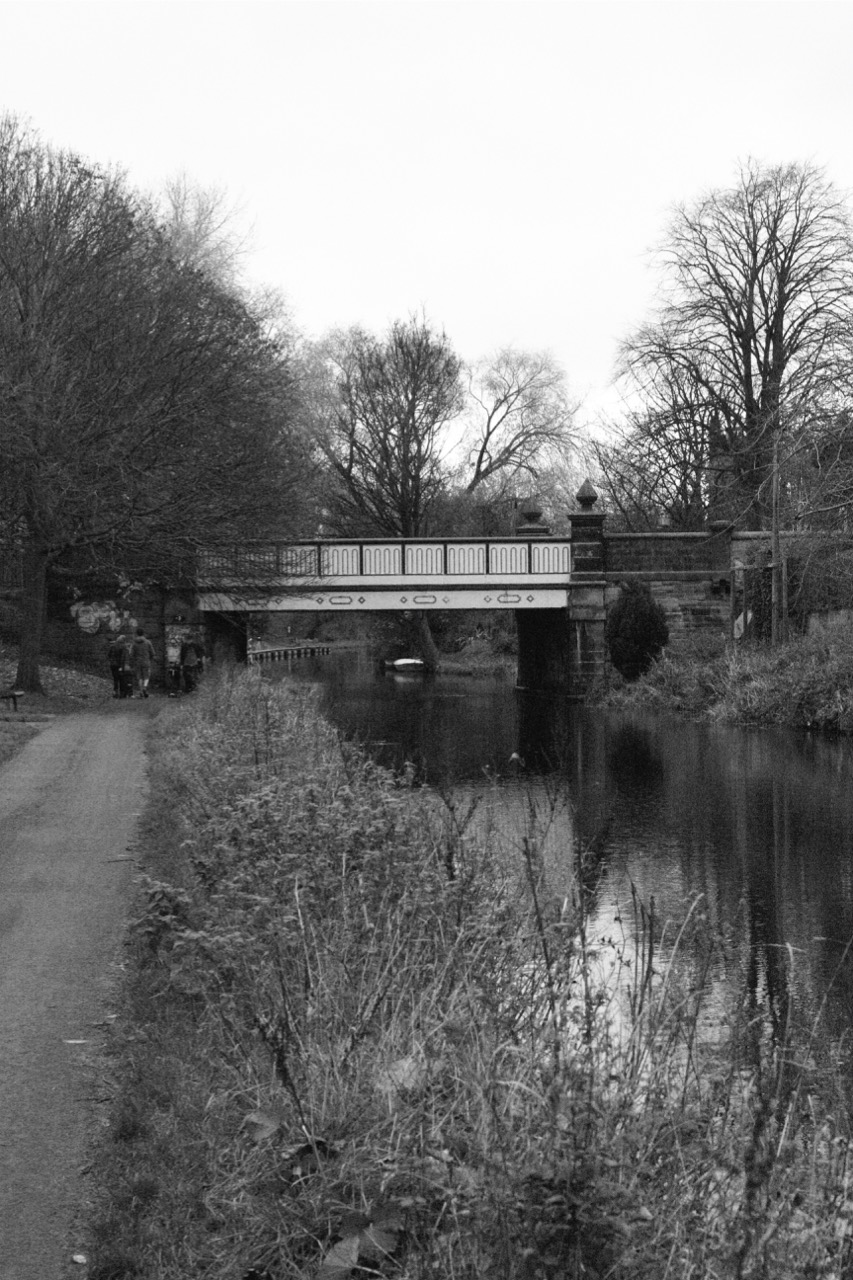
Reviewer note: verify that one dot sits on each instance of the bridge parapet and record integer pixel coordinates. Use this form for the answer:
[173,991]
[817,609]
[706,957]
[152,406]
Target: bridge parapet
[371,560]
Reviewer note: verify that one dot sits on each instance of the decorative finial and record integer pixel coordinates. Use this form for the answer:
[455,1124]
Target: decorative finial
[586,496]
[531,509]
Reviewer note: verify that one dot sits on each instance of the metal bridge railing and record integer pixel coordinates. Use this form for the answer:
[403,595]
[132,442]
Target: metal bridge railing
[373,558]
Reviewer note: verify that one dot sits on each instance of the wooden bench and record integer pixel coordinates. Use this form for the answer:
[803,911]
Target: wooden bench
[11,696]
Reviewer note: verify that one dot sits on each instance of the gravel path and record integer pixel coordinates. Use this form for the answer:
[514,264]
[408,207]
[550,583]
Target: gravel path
[69,803]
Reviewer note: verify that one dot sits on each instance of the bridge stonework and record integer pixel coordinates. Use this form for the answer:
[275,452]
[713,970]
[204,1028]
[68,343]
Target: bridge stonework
[689,574]
[559,588]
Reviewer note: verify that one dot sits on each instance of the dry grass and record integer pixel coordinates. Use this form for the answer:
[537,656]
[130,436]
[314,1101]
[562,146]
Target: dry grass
[807,683]
[354,1046]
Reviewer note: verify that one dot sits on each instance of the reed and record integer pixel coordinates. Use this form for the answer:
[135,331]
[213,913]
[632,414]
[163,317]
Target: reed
[807,682]
[354,1041]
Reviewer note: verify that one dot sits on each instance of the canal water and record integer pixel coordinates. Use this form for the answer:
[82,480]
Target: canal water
[757,825]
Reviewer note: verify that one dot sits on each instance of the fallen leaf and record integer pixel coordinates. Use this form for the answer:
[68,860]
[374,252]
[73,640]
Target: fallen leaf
[262,1124]
[377,1243]
[341,1258]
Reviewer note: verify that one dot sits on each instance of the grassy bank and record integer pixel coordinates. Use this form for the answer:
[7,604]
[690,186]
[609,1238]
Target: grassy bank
[352,1042]
[806,683]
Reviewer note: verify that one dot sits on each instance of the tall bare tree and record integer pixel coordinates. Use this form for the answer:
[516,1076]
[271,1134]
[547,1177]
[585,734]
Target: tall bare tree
[383,414]
[754,330]
[656,465]
[519,415]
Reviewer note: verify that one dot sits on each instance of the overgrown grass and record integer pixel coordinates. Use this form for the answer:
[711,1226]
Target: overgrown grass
[807,683]
[356,1043]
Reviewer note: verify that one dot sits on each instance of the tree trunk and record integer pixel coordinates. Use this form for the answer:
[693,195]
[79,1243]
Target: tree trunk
[28,677]
[426,644]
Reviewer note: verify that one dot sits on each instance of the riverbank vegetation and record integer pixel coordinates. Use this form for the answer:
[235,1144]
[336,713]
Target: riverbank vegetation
[805,683]
[355,1040]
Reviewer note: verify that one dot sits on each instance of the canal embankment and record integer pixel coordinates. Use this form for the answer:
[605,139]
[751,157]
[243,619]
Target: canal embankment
[805,683]
[352,1035]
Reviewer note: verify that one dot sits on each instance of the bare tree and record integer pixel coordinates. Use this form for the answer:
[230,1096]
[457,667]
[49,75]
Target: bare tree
[519,413]
[382,409]
[756,323]
[658,463]
[202,229]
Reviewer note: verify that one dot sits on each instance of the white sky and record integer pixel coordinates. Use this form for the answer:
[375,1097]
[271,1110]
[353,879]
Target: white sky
[507,167]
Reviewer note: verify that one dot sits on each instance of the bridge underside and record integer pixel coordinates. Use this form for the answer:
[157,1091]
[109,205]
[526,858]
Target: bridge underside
[560,627]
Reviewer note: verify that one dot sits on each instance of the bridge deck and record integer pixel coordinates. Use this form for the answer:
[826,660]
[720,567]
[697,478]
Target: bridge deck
[371,574]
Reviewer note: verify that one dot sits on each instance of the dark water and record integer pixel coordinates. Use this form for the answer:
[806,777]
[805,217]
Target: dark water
[757,822]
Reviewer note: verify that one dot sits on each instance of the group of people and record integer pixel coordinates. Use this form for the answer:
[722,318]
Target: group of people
[184,673]
[131,659]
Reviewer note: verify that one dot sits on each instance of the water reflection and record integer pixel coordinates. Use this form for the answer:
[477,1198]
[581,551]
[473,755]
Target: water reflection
[757,823]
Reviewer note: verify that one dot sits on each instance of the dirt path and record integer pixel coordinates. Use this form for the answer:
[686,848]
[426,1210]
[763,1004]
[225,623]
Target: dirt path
[68,809]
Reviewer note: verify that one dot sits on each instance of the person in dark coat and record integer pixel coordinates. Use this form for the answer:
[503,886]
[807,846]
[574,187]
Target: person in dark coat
[142,653]
[192,662]
[115,657]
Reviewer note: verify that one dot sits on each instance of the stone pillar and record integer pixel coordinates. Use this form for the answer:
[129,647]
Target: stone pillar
[543,655]
[542,648]
[226,637]
[588,557]
[587,611]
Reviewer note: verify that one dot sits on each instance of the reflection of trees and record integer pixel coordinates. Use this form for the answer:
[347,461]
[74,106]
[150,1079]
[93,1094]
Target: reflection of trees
[634,762]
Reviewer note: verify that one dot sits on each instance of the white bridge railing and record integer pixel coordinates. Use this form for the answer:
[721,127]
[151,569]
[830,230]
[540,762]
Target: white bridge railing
[369,560]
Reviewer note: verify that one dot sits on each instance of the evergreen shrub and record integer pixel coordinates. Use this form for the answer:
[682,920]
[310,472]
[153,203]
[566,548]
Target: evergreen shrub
[636,630]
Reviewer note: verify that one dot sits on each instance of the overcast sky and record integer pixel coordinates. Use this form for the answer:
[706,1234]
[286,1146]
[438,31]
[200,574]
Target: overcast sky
[506,167]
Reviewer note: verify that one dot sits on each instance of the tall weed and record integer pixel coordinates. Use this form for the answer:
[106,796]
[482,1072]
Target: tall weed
[359,1043]
[807,682]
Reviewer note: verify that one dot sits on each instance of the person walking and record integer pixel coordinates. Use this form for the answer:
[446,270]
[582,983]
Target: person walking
[192,662]
[142,656]
[115,657]
[126,683]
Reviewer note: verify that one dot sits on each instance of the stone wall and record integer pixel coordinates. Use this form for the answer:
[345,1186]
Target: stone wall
[660,553]
[688,574]
[696,611]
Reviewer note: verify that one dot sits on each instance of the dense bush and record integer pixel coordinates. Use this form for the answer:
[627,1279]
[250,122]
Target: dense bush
[636,630]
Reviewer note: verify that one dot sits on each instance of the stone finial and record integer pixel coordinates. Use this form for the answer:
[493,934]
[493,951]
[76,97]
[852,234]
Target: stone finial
[586,496]
[531,509]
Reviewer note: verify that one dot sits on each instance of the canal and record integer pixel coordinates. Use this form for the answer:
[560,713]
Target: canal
[756,825]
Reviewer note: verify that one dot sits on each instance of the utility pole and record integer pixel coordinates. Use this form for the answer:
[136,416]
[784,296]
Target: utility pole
[778,587]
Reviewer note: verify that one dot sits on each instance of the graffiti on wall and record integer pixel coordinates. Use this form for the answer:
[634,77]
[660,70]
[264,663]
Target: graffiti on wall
[102,614]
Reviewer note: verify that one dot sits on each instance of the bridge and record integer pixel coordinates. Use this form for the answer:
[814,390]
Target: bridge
[554,585]
[557,587]
[388,574]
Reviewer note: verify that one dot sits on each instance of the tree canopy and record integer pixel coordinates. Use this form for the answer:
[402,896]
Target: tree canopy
[749,353]
[383,438]
[417,443]
[143,408]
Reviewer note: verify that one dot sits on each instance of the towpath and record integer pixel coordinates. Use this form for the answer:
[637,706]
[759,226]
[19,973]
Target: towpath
[69,804]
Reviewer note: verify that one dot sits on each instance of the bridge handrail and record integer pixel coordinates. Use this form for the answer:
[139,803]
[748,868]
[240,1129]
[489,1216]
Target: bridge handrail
[388,557]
